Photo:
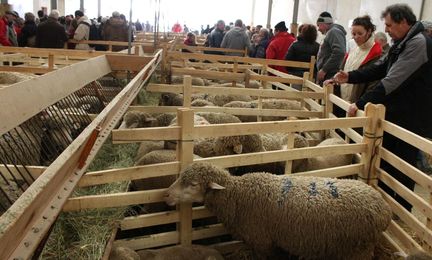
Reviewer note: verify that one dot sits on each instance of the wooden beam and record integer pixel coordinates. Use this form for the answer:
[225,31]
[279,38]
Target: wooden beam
[127,62]
[208,74]
[401,235]
[25,69]
[335,172]
[35,91]
[130,173]
[35,171]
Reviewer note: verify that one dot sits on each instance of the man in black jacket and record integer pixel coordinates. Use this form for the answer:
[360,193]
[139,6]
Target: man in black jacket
[51,34]
[405,87]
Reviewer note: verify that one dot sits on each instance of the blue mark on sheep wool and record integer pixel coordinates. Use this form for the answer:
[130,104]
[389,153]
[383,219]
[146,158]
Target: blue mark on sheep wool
[333,189]
[286,186]
[313,189]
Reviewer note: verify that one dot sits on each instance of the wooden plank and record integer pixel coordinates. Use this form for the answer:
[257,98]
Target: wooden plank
[418,202]
[343,104]
[282,155]
[265,93]
[160,218]
[225,58]
[187,91]
[406,240]
[127,62]
[372,138]
[392,243]
[313,86]
[114,200]
[275,127]
[45,52]
[27,221]
[185,119]
[291,80]
[335,172]
[409,137]
[415,174]
[129,173]
[351,133]
[421,230]
[208,74]
[143,134]
[149,241]
[233,111]
[35,91]
[229,247]
[25,69]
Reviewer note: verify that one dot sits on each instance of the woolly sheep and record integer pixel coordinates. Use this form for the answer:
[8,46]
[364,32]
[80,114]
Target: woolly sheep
[9,78]
[164,119]
[137,119]
[219,118]
[195,80]
[148,146]
[201,103]
[180,252]
[123,253]
[174,99]
[310,217]
[328,161]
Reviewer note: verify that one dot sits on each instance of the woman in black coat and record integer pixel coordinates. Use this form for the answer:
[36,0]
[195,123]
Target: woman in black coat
[303,49]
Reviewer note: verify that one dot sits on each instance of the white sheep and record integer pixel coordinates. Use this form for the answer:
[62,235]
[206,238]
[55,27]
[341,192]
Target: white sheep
[309,217]
[136,119]
[328,161]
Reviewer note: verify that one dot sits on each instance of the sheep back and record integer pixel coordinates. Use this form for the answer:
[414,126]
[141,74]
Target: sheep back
[311,217]
[322,162]
[180,252]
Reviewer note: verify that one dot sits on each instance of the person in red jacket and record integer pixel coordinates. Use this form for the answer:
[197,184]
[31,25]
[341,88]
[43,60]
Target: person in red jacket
[279,45]
[4,30]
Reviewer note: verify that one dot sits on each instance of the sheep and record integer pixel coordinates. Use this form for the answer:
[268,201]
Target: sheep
[148,146]
[309,217]
[171,99]
[201,103]
[219,118]
[328,161]
[9,78]
[195,81]
[266,104]
[180,252]
[136,119]
[123,253]
[164,119]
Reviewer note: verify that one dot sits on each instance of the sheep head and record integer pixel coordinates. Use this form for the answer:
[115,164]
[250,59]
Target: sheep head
[136,119]
[194,182]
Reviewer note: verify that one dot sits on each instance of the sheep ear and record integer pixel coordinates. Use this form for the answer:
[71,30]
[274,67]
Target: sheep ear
[215,186]
[238,149]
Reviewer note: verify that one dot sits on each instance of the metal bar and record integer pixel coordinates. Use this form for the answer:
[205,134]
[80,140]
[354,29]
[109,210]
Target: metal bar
[19,160]
[7,168]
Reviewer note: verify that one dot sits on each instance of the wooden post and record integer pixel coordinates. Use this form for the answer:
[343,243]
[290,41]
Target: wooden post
[247,78]
[264,72]
[312,68]
[235,69]
[51,61]
[187,91]
[328,107]
[164,64]
[246,52]
[185,118]
[305,78]
[290,145]
[372,136]
[109,47]
[137,47]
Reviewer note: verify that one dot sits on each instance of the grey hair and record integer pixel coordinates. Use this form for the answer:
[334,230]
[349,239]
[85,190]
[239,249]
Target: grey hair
[54,14]
[381,36]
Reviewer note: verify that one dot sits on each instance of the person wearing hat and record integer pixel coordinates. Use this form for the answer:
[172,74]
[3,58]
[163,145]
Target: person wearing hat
[332,50]
[279,45]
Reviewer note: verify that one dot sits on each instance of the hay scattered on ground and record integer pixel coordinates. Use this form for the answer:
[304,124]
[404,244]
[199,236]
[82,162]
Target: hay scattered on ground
[84,234]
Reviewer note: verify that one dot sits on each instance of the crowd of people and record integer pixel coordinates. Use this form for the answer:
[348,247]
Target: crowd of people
[365,69]
[53,30]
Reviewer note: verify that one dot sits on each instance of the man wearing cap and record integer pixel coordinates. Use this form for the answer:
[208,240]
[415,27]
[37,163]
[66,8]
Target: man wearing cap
[279,45]
[332,50]
[404,88]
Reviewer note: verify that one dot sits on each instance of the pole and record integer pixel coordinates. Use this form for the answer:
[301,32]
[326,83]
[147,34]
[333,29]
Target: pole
[253,13]
[130,29]
[294,23]
[53,4]
[82,5]
[269,14]
[99,7]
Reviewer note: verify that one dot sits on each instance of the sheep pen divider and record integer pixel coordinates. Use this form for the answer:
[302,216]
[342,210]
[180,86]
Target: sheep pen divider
[186,234]
[27,221]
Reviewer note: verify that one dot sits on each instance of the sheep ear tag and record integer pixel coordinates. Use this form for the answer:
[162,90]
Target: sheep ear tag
[238,149]
[215,186]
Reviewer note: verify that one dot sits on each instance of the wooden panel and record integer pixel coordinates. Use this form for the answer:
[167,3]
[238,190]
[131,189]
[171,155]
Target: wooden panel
[160,218]
[170,238]
[35,171]
[142,134]
[335,172]
[409,137]
[401,235]
[130,173]
[32,94]
[46,52]
[114,200]
[265,93]
[127,62]
[421,230]
[25,69]
[343,104]
[208,74]
[291,80]
[418,176]
[233,111]
[351,133]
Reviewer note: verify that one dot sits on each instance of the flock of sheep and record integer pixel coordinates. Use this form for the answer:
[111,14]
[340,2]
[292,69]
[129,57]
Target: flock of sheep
[309,217]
